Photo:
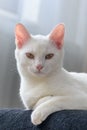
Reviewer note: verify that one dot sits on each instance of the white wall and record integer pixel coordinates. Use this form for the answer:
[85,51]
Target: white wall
[8,74]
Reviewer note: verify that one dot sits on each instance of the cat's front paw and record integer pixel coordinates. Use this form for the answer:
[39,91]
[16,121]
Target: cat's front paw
[37,117]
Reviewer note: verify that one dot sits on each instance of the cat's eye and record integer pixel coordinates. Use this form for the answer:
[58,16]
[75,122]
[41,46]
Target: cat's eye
[49,56]
[30,55]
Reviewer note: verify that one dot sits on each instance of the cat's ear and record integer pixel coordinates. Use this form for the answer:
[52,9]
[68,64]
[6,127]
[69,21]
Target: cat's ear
[57,35]
[21,35]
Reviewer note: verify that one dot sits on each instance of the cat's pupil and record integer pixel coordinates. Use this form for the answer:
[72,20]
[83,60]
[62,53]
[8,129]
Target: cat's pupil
[49,56]
[29,55]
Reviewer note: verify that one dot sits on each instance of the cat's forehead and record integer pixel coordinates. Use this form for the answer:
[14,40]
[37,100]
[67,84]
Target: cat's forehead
[38,43]
[39,37]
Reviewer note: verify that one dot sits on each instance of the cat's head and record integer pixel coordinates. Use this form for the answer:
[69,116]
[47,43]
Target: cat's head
[39,55]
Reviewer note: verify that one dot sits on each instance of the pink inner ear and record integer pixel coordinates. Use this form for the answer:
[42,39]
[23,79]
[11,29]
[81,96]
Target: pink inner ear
[22,36]
[57,35]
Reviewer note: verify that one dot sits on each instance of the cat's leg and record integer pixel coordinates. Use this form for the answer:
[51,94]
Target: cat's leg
[33,98]
[57,103]
[31,102]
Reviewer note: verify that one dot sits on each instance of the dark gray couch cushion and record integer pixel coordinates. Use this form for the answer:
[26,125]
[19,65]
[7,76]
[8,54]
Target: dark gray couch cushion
[17,119]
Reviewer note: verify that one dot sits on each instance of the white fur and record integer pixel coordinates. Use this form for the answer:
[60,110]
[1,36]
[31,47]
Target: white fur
[54,88]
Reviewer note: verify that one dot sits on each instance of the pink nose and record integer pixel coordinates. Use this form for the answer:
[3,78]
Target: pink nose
[39,67]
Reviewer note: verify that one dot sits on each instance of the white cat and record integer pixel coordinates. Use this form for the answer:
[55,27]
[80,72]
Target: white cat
[46,87]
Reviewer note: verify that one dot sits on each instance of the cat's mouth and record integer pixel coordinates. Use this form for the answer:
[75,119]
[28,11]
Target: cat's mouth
[39,73]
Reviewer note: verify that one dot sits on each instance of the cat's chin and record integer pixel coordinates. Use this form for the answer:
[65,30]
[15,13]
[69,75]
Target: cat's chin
[38,74]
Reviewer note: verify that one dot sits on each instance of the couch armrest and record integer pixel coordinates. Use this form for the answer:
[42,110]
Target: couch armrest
[19,119]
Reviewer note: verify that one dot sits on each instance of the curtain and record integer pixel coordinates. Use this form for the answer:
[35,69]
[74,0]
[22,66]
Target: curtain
[40,16]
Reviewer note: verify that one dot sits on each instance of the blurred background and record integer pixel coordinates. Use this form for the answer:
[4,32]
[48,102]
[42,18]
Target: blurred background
[40,16]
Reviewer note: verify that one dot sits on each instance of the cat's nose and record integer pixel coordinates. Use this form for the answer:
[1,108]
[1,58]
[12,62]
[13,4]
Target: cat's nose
[39,67]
